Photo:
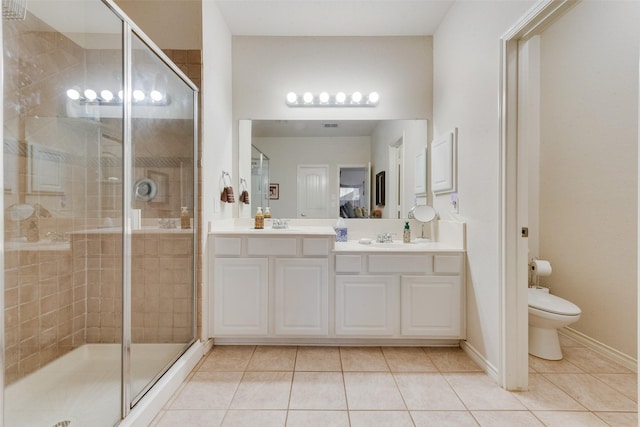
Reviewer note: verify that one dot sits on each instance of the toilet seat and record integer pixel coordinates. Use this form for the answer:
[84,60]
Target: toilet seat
[552,304]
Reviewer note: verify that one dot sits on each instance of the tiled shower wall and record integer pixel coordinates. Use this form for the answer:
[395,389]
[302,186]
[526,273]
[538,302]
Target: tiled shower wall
[44,311]
[161,289]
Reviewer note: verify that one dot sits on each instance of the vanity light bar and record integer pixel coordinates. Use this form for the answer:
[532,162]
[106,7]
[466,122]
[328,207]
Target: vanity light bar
[106,97]
[340,99]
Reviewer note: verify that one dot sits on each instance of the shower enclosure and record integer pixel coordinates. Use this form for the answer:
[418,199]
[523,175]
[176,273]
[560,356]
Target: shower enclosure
[99,292]
[259,178]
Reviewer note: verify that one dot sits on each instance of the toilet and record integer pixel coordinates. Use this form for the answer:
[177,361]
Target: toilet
[547,313]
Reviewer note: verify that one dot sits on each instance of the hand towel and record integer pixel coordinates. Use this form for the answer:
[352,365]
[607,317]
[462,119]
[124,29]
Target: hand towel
[230,197]
[244,197]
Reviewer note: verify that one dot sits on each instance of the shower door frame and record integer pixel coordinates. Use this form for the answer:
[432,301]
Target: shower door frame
[129,29]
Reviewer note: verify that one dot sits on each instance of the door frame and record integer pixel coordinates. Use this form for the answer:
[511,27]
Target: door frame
[513,245]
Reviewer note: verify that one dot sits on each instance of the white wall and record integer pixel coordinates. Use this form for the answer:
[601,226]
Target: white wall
[265,69]
[466,62]
[216,124]
[285,154]
[589,166]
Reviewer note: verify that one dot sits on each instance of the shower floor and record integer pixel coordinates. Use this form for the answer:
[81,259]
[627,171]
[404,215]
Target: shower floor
[83,386]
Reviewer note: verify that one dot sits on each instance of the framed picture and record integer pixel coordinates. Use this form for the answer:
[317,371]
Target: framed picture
[380,188]
[274,191]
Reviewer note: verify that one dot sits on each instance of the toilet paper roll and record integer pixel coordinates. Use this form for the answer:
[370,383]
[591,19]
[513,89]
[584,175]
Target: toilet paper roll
[540,267]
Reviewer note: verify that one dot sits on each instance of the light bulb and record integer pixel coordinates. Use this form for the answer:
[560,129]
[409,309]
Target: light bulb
[121,95]
[374,97]
[292,98]
[107,95]
[307,98]
[73,94]
[324,98]
[138,95]
[341,97]
[356,97]
[156,95]
[90,94]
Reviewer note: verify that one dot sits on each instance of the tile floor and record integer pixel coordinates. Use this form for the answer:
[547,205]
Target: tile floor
[396,387]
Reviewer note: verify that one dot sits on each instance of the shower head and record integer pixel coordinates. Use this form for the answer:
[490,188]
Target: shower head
[14,9]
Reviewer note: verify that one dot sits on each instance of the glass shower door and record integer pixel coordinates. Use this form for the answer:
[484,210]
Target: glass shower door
[162,243]
[62,276]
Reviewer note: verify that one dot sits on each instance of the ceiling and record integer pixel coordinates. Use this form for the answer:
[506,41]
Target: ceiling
[333,17]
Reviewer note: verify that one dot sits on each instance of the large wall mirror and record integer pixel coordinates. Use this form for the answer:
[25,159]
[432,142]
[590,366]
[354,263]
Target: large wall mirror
[326,168]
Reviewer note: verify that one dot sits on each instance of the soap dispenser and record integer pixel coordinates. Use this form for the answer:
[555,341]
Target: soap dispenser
[185,220]
[406,235]
[259,219]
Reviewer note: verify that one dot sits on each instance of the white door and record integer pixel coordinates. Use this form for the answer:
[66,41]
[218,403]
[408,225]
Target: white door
[301,297]
[312,191]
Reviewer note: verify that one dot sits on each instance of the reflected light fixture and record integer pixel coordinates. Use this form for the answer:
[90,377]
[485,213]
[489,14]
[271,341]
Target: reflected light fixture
[107,97]
[325,99]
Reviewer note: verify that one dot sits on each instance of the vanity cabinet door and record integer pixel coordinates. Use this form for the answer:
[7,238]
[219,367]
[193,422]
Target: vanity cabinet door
[241,296]
[367,305]
[301,296]
[431,306]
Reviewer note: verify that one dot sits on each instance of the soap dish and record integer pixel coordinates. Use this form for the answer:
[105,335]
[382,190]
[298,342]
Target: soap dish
[364,241]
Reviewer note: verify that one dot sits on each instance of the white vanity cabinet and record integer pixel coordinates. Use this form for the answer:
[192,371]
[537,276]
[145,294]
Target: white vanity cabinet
[400,295]
[269,285]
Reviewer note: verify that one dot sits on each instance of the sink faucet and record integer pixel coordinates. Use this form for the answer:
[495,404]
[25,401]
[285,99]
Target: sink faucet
[280,224]
[384,238]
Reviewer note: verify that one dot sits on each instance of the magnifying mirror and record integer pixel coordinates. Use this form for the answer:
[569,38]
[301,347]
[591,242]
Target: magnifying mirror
[422,213]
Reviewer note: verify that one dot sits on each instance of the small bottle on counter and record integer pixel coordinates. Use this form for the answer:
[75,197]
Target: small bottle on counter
[406,235]
[185,220]
[267,212]
[259,219]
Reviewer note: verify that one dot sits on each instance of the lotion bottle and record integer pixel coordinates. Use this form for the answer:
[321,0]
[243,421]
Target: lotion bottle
[406,235]
[185,220]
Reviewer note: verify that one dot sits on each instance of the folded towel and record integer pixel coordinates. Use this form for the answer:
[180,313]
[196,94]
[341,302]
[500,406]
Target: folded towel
[230,197]
[224,197]
[244,197]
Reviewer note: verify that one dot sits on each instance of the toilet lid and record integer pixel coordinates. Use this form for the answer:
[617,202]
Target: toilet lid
[546,302]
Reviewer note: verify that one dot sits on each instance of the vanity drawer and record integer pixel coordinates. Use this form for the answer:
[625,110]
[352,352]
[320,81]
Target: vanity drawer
[404,264]
[227,245]
[348,263]
[271,246]
[447,264]
[315,247]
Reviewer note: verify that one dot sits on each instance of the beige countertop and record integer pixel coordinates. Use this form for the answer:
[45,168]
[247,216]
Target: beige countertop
[396,246]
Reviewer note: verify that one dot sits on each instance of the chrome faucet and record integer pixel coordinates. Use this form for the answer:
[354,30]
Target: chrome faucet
[384,238]
[280,224]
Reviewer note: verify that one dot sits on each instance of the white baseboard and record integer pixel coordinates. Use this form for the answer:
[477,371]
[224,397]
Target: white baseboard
[152,403]
[600,348]
[477,357]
